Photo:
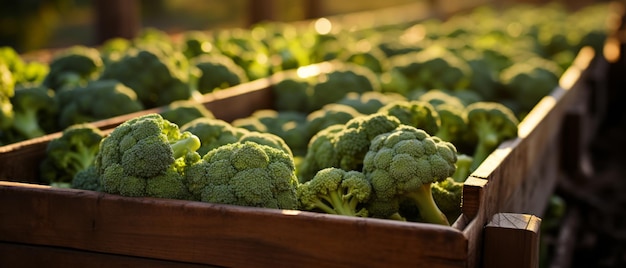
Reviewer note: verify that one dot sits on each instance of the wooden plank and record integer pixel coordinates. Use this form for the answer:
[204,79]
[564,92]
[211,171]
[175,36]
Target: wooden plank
[23,255]
[221,235]
[512,240]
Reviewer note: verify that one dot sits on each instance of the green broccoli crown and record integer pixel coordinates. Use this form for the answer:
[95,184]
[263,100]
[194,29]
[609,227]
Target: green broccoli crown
[34,108]
[332,87]
[289,125]
[75,150]
[454,123]
[87,179]
[7,90]
[344,146]
[291,94]
[330,114]
[530,80]
[448,197]
[405,162]
[73,66]
[416,113]
[158,77]
[369,102]
[213,133]
[320,153]
[439,96]
[97,100]
[245,174]
[268,139]
[373,59]
[335,191]
[142,148]
[218,72]
[182,112]
[433,67]
[492,123]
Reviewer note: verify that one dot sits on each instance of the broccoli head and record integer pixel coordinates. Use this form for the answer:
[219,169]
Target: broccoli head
[7,90]
[344,146]
[433,67]
[416,113]
[404,163]
[330,114]
[218,72]
[97,100]
[74,66]
[335,191]
[34,111]
[369,102]
[529,81]
[72,152]
[157,77]
[87,179]
[182,112]
[267,139]
[290,94]
[332,87]
[289,125]
[448,197]
[213,133]
[244,174]
[146,156]
[492,123]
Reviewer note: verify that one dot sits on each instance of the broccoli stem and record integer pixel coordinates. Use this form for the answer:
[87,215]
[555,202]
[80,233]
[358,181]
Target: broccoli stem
[26,123]
[183,146]
[337,204]
[81,159]
[425,202]
[487,142]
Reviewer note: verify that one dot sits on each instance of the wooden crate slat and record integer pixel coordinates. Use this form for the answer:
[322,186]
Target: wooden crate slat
[218,234]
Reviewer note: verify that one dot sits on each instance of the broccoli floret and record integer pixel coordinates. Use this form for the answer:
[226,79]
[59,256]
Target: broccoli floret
[330,114]
[158,78]
[344,146]
[34,111]
[87,179]
[373,59]
[213,133]
[404,163]
[332,87]
[268,139]
[463,165]
[492,123]
[218,72]
[196,43]
[416,113]
[289,125]
[72,152]
[369,102]
[291,94]
[74,66]
[439,96]
[142,149]
[454,124]
[529,81]
[97,100]
[335,191]
[448,197]
[433,67]
[184,111]
[245,174]
[248,52]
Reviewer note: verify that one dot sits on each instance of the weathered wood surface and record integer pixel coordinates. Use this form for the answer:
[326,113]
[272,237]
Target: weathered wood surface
[220,235]
[512,241]
[22,255]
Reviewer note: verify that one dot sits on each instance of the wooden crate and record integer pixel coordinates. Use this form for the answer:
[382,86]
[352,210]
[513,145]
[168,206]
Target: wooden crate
[516,178]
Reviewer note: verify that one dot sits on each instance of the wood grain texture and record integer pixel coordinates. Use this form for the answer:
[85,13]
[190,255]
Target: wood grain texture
[512,241]
[220,235]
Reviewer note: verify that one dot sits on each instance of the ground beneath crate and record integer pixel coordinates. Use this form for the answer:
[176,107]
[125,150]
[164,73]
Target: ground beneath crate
[592,232]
